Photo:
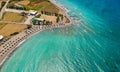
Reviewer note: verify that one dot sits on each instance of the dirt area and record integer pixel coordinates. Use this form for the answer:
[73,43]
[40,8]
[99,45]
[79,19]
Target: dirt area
[2,25]
[49,18]
[24,2]
[11,28]
[13,17]
[35,2]
[51,8]
[40,5]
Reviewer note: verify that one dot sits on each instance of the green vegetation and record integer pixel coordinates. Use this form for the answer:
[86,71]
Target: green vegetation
[61,16]
[44,5]
[38,0]
[37,7]
[2,4]
[38,16]
[15,0]
[58,19]
[32,0]
[29,26]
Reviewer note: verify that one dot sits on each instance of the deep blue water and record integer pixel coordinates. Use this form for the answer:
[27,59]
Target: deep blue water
[109,10]
[92,44]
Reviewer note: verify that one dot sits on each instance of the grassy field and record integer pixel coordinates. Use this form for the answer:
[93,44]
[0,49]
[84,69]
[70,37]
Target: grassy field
[12,28]
[13,17]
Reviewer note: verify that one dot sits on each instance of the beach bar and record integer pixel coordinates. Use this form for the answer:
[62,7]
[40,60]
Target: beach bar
[38,21]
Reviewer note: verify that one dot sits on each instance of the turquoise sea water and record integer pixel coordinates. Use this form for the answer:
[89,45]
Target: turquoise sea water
[92,44]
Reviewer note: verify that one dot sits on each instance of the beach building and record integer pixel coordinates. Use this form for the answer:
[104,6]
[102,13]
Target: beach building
[38,21]
[33,13]
[1,37]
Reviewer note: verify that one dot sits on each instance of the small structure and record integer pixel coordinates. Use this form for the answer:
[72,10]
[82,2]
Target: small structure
[38,21]
[1,37]
[33,13]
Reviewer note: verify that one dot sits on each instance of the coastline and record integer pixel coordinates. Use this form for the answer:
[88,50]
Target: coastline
[65,10]
[21,42]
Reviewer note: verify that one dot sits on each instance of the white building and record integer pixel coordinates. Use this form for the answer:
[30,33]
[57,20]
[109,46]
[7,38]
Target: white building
[39,19]
[1,37]
[31,12]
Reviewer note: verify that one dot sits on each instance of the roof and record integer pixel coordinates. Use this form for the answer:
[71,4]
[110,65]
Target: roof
[1,37]
[39,19]
[33,12]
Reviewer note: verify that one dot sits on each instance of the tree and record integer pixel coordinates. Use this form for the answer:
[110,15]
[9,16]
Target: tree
[44,22]
[23,13]
[38,16]
[42,12]
[15,33]
[29,26]
[56,14]
[61,16]
[58,19]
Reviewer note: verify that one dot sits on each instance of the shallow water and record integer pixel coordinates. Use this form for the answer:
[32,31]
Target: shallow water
[92,44]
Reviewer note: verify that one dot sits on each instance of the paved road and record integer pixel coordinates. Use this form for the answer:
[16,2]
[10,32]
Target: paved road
[14,10]
[28,20]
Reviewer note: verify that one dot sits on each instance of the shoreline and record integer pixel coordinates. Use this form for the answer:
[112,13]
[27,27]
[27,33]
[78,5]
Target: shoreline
[32,34]
[65,10]
[24,40]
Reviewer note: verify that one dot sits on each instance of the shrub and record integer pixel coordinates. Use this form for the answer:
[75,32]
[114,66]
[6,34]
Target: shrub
[58,19]
[38,16]
[29,26]
[15,33]
[61,16]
